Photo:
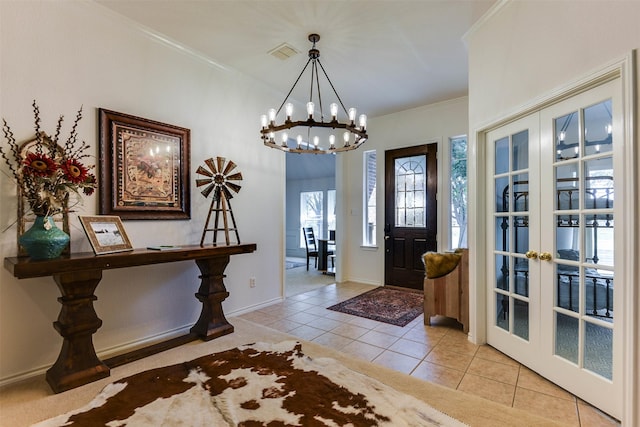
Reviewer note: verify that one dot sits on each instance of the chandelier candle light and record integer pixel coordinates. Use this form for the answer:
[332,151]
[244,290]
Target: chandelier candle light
[319,136]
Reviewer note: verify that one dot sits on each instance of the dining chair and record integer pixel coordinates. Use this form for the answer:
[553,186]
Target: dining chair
[310,244]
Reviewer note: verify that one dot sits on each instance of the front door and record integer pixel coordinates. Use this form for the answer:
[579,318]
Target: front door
[552,243]
[411,180]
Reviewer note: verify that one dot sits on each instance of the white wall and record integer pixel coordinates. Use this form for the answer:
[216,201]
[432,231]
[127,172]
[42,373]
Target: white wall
[67,54]
[423,125]
[522,52]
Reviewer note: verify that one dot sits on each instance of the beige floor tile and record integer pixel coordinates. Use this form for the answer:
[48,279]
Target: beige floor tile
[325,324]
[396,361]
[550,406]
[487,388]
[365,323]
[531,381]
[378,339]
[362,350]
[334,341]
[593,417]
[284,325]
[411,348]
[350,331]
[306,332]
[317,311]
[302,317]
[438,374]
[259,317]
[442,356]
[424,337]
[335,315]
[396,331]
[489,353]
[494,370]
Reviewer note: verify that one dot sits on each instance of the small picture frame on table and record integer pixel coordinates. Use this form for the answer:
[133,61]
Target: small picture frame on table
[106,234]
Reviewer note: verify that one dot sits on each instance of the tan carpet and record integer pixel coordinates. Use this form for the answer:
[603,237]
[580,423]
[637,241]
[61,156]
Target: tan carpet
[31,401]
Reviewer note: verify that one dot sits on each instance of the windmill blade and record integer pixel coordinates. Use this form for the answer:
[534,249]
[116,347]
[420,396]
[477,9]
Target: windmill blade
[201,182]
[234,187]
[203,171]
[227,193]
[220,161]
[212,166]
[230,166]
[207,190]
[236,176]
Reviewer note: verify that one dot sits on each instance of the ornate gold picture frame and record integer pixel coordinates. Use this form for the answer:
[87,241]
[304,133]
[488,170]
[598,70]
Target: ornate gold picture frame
[144,168]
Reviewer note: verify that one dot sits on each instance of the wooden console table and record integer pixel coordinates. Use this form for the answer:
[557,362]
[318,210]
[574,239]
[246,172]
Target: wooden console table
[78,275]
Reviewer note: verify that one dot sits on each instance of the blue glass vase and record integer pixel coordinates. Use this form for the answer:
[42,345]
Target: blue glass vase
[44,240]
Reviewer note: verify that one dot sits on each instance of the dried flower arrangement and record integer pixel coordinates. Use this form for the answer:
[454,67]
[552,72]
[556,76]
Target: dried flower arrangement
[48,173]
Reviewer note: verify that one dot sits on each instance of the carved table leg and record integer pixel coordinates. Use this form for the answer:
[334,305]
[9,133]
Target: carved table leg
[77,362]
[211,293]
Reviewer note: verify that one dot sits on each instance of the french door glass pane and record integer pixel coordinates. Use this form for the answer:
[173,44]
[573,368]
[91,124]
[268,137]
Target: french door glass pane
[521,318]
[567,337]
[567,136]
[502,155]
[410,173]
[520,150]
[597,128]
[599,183]
[598,358]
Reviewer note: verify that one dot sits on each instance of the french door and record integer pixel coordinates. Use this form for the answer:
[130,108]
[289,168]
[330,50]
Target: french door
[552,239]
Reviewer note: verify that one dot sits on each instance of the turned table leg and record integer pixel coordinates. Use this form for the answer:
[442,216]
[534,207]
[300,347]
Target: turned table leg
[77,362]
[211,293]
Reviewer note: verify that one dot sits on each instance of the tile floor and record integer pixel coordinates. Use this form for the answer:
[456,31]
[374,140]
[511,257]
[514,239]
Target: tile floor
[440,353]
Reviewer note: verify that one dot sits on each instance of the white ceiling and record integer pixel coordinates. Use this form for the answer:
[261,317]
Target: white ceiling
[382,56]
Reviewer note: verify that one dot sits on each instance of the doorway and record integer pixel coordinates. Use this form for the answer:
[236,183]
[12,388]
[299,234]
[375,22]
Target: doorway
[309,202]
[551,242]
[411,182]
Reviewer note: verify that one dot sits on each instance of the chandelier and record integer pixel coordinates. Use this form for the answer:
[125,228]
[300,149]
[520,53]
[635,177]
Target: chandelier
[311,135]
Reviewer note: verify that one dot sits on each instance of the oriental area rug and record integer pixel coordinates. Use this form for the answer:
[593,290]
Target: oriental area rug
[253,385]
[388,305]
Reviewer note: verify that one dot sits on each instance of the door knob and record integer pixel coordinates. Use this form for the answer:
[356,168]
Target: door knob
[531,254]
[545,256]
[387,237]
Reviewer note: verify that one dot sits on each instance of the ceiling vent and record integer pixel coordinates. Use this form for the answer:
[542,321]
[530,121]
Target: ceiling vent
[284,51]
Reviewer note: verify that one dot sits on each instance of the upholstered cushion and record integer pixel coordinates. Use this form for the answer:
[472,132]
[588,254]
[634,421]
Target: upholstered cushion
[570,254]
[440,264]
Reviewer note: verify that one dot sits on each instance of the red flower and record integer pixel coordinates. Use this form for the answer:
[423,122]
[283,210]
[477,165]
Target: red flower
[74,171]
[39,165]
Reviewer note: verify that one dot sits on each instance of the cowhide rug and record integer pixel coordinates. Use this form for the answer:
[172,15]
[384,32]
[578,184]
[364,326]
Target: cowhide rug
[253,385]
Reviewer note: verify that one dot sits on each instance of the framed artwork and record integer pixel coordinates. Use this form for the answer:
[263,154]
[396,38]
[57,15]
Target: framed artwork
[144,168]
[106,234]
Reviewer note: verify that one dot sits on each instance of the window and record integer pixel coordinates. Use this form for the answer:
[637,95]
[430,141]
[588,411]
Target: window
[458,192]
[331,212]
[311,213]
[369,202]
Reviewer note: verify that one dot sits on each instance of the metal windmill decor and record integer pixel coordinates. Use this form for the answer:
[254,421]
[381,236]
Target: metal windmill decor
[216,179]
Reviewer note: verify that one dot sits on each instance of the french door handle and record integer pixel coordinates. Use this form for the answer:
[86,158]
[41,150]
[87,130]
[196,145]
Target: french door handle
[531,254]
[545,256]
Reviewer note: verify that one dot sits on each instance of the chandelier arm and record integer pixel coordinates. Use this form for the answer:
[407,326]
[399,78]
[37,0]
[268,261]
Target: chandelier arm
[294,86]
[315,68]
[332,87]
